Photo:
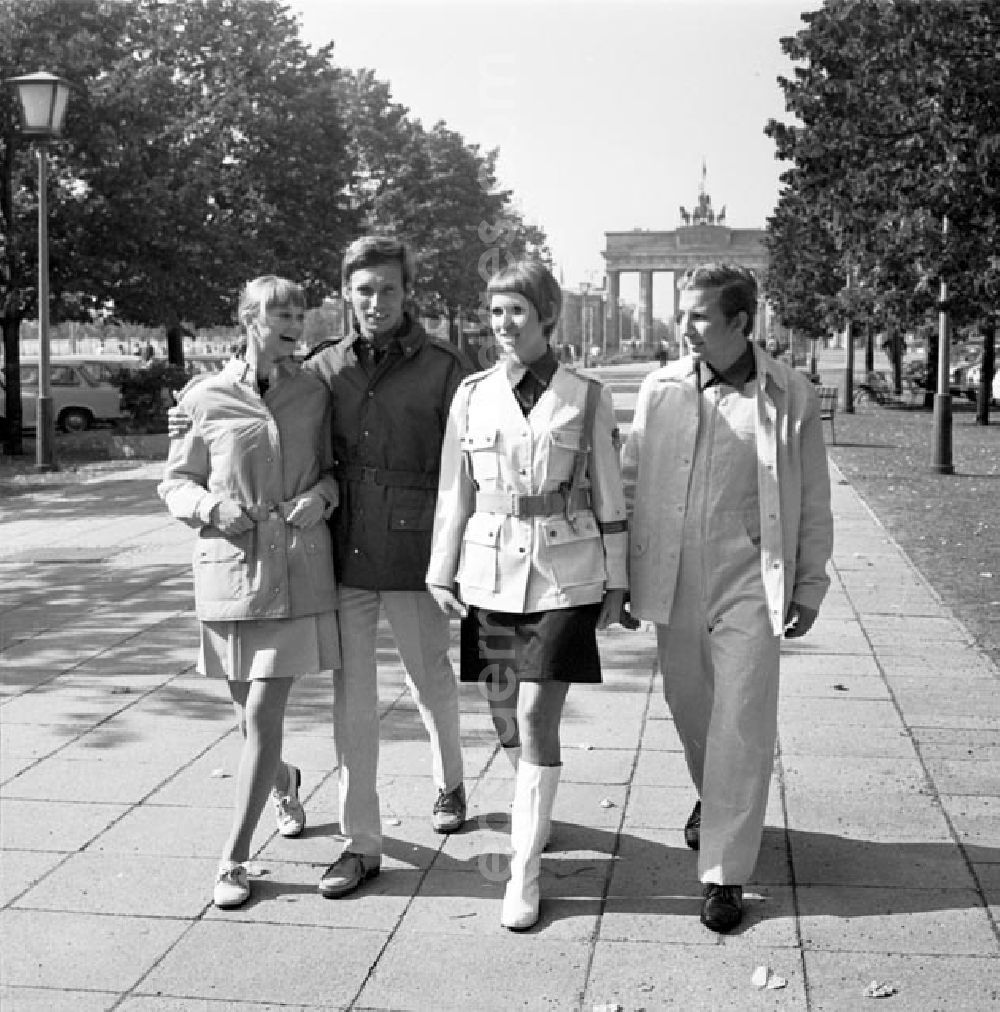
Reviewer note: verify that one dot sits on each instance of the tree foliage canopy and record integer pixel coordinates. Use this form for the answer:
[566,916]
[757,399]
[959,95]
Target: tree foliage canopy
[205,144]
[897,108]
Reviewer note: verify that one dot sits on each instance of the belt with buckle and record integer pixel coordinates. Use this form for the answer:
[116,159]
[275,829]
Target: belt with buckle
[539,504]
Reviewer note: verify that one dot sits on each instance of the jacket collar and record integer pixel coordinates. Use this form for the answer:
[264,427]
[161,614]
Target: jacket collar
[769,372]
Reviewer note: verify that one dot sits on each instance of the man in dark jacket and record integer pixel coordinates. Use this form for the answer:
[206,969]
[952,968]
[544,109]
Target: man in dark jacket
[392,386]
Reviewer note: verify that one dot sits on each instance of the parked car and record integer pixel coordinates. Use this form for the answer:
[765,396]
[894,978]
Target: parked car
[972,378]
[83,389]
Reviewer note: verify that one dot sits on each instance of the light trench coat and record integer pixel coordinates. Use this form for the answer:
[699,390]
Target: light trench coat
[796,523]
[261,453]
[514,564]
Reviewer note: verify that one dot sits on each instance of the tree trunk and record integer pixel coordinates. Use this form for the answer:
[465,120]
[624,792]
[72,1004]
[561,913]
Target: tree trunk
[869,349]
[13,442]
[175,346]
[986,376]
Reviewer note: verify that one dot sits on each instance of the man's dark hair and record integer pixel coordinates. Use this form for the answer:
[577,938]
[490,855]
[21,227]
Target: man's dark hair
[376,251]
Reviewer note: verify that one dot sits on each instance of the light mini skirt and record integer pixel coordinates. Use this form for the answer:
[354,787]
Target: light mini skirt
[270,648]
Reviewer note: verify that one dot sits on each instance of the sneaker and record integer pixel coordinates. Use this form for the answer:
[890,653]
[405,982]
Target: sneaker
[289,814]
[449,810]
[347,873]
[692,828]
[722,906]
[232,886]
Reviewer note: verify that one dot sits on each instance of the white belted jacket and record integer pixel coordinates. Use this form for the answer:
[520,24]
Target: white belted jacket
[518,564]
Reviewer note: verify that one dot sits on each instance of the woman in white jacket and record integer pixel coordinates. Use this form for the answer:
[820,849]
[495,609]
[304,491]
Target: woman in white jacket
[529,547]
[250,476]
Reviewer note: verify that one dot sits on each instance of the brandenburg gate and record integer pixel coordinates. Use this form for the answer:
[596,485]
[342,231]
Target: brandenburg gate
[702,236]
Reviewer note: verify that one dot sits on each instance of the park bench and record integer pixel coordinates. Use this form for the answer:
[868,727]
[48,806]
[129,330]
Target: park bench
[828,408]
[877,387]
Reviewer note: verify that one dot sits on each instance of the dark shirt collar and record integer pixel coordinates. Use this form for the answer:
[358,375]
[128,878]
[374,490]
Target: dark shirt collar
[737,375]
[542,369]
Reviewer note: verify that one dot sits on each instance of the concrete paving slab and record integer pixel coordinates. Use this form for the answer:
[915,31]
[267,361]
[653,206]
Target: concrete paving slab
[804,711]
[597,765]
[837,981]
[971,745]
[488,978]
[957,776]
[851,774]
[53,825]
[79,951]
[316,966]
[136,885]
[142,741]
[834,686]
[47,999]
[57,779]
[36,740]
[172,831]
[901,818]
[831,859]
[977,823]
[660,735]
[937,921]
[653,976]
[22,869]
[662,769]
[468,904]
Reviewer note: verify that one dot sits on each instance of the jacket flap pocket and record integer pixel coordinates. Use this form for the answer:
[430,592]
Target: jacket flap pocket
[559,531]
[211,550]
[481,440]
[483,529]
[410,518]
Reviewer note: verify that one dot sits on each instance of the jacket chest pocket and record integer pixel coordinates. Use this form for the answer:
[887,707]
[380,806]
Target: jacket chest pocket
[563,452]
[221,568]
[482,449]
[480,565]
[574,551]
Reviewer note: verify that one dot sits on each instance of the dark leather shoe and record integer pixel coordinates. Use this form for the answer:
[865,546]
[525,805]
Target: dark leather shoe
[347,873]
[692,828]
[722,907]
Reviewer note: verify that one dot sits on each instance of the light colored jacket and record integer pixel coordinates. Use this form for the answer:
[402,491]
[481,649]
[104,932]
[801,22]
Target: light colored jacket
[261,455]
[504,562]
[793,482]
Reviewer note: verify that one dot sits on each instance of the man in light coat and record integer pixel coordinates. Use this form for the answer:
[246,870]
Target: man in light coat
[730,537]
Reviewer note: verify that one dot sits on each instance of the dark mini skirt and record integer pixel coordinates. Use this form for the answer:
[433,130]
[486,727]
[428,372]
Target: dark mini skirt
[558,645]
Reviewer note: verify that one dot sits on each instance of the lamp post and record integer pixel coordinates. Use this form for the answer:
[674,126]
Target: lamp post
[584,291]
[942,461]
[43,98]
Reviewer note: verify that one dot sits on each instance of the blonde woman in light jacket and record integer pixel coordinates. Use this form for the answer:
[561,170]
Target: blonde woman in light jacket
[249,475]
[529,548]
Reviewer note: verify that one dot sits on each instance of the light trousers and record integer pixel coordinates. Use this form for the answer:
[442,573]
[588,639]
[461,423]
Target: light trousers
[422,636]
[719,661]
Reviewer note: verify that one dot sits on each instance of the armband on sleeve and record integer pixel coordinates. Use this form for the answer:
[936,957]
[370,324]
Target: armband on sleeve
[613,526]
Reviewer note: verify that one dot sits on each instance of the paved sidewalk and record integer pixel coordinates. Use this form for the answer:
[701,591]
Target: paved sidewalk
[881,857]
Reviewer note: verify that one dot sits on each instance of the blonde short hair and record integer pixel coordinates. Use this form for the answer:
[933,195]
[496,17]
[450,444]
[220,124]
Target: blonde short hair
[269,290]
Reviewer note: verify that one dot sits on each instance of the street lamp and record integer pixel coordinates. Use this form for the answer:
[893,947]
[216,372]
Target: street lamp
[942,460]
[43,99]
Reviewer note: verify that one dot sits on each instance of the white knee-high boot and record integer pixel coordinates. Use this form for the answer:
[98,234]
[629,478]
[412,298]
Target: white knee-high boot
[534,795]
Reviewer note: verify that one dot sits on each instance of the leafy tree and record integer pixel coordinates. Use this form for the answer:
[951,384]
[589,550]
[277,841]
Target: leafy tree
[205,146]
[898,128]
[436,191]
